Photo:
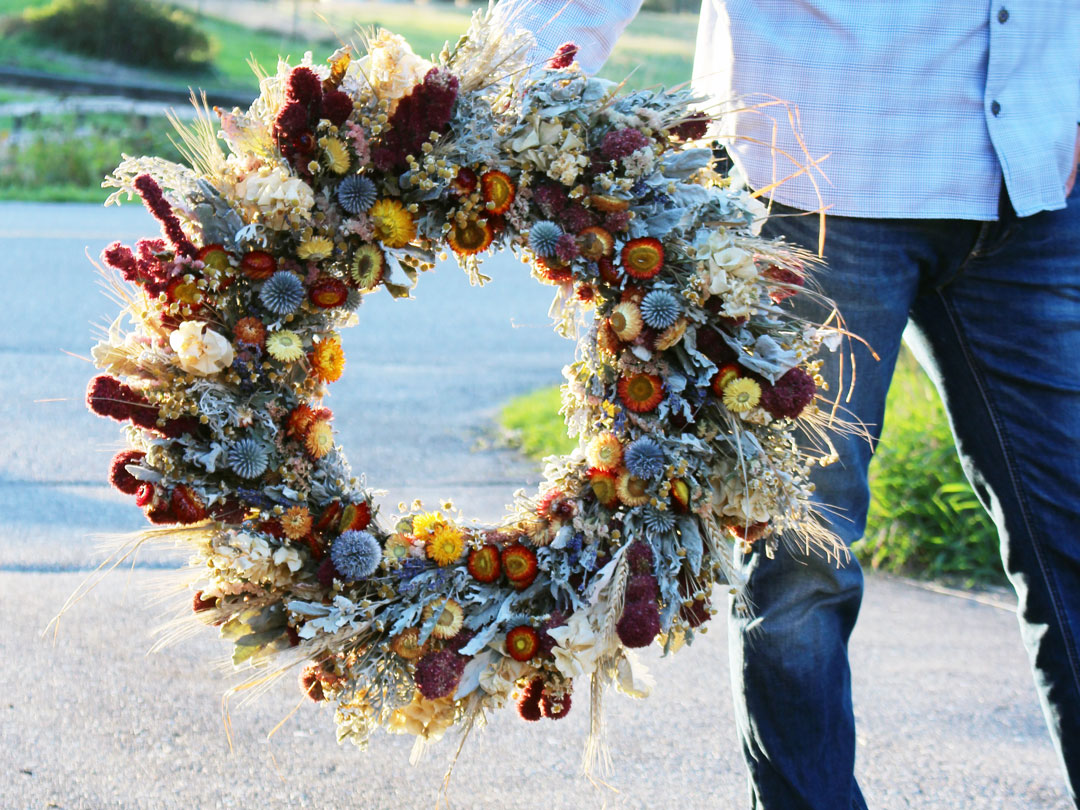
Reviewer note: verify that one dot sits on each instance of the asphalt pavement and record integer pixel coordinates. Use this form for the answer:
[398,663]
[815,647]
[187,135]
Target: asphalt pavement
[946,709]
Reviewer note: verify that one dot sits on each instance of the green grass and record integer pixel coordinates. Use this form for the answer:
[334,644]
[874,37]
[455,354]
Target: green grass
[534,424]
[924,519]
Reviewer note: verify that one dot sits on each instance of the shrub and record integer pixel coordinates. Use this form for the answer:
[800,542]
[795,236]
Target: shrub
[924,517]
[143,33]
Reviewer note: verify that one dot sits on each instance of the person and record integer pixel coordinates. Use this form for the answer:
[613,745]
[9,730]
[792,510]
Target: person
[952,141]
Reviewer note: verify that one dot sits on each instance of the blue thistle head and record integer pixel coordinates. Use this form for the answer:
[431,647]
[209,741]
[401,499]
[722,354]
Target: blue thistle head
[282,293]
[248,458]
[658,522]
[660,309]
[356,555]
[644,458]
[356,194]
[544,238]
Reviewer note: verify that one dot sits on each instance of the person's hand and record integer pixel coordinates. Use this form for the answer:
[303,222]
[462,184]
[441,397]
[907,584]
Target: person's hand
[1076,159]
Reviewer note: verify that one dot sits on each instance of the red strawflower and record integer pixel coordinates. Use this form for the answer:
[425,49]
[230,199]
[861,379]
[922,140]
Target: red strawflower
[564,56]
[438,673]
[643,258]
[529,703]
[498,191]
[466,180]
[551,272]
[725,374]
[790,395]
[609,272]
[300,419]
[258,265]
[160,513]
[355,517]
[519,565]
[484,564]
[642,588]
[622,142]
[328,517]
[522,643]
[639,624]
[336,107]
[641,392]
[119,477]
[586,293]
[329,293]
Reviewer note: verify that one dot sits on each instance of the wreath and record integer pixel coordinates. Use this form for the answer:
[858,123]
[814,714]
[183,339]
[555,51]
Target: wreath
[690,394]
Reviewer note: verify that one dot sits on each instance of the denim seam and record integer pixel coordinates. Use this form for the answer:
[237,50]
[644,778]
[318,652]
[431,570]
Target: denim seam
[1018,489]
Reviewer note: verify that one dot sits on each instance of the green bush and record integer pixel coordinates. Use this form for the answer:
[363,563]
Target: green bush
[56,154]
[924,518]
[143,33]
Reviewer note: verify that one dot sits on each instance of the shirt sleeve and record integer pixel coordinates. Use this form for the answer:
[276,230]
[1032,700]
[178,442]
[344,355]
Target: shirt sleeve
[592,25]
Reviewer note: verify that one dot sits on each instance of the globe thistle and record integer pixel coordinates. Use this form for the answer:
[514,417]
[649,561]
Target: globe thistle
[356,194]
[282,293]
[644,458]
[544,238]
[659,522]
[248,458]
[356,555]
[660,309]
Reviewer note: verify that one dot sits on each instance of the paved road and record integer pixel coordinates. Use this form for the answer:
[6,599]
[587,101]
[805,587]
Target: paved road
[947,713]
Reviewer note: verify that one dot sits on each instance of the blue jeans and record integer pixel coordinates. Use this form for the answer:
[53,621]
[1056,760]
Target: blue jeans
[995,314]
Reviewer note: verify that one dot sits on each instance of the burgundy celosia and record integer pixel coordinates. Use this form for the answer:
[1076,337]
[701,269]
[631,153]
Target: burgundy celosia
[337,107]
[564,56]
[119,477]
[107,396]
[438,673]
[782,275]
[144,496]
[642,588]
[426,109]
[310,684]
[555,709]
[304,85]
[292,120]
[120,258]
[710,344]
[552,199]
[576,218]
[789,395]
[199,603]
[547,643]
[639,624]
[528,705]
[622,142]
[617,221]
[640,557]
[161,514]
[690,129]
[155,201]
[327,573]
[175,428]
[697,614]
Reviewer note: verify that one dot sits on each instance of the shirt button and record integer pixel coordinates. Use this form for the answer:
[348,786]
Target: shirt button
[1003,15]
[995,108]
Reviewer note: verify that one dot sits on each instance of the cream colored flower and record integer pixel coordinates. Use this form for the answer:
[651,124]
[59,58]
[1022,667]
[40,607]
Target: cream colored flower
[276,196]
[577,647]
[500,679]
[632,678]
[392,68]
[199,349]
[424,718]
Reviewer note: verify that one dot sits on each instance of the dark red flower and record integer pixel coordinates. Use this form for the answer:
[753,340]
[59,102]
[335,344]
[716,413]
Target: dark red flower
[199,603]
[438,673]
[639,624]
[426,109]
[144,495]
[187,505]
[547,643]
[161,513]
[642,588]
[690,129]
[304,85]
[622,142]
[640,557]
[529,703]
[564,56]
[327,573]
[120,258]
[154,200]
[310,684]
[555,707]
[119,477]
[790,395]
[337,107]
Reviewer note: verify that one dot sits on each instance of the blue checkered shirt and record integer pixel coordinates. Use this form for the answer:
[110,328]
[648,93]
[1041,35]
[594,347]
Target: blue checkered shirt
[922,107]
